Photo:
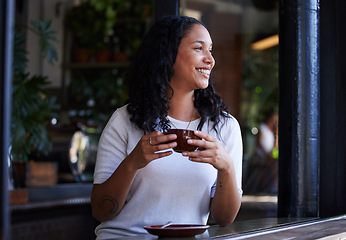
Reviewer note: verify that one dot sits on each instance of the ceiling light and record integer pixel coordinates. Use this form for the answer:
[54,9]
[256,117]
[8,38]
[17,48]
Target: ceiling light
[266,43]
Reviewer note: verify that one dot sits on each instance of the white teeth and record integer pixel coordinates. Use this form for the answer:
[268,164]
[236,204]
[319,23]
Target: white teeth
[205,71]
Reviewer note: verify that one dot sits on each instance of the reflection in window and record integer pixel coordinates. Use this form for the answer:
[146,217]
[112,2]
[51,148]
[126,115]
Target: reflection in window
[246,77]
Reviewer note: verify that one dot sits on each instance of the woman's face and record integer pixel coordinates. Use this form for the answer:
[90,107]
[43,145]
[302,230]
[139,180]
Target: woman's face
[194,60]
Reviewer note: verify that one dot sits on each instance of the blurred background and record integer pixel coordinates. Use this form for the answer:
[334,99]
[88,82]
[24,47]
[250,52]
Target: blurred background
[89,45]
[70,58]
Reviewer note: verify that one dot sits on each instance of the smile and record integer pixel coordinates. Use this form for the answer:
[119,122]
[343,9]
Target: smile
[204,71]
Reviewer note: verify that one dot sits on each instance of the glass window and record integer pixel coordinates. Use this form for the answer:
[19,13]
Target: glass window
[94,42]
[246,77]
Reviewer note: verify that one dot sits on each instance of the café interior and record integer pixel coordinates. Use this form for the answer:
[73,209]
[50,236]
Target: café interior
[67,61]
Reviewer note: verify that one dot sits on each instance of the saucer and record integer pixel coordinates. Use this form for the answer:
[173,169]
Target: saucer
[177,230]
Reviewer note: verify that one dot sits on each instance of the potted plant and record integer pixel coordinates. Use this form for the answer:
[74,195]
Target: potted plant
[93,25]
[32,107]
[78,20]
[89,24]
[133,21]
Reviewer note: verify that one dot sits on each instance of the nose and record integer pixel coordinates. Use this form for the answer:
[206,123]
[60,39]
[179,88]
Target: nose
[209,59]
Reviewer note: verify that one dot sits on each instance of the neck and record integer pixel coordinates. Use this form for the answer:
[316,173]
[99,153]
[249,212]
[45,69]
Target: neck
[182,107]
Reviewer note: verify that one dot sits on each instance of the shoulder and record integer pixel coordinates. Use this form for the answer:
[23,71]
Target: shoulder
[119,118]
[119,123]
[229,122]
[120,113]
[228,130]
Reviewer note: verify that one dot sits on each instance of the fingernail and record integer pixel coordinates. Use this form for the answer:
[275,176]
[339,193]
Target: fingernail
[173,136]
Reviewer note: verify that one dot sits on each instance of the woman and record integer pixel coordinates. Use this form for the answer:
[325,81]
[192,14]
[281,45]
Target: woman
[138,179]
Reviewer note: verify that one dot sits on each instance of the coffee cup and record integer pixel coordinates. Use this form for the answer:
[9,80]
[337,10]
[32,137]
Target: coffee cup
[182,136]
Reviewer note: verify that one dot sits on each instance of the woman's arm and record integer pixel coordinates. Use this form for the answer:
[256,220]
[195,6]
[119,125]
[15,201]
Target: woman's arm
[108,198]
[226,202]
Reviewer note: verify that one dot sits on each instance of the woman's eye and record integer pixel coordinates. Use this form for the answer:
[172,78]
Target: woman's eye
[198,48]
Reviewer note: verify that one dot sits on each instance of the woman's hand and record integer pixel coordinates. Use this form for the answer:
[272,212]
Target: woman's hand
[226,201]
[150,147]
[211,151]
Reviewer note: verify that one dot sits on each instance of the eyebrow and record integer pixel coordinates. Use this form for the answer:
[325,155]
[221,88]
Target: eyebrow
[202,42]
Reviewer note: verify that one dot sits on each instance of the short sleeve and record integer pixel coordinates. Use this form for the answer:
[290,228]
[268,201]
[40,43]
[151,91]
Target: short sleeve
[112,147]
[234,147]
[231,139]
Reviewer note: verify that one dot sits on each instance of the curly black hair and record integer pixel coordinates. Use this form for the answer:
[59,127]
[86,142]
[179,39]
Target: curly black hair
[148,78]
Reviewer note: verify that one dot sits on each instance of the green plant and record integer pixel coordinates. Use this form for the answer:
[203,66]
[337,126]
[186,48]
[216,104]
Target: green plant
[88,26]
[260,85]
[93,23]
[259,91]
[95,101]
[32,108]
[109,9]
[94,95]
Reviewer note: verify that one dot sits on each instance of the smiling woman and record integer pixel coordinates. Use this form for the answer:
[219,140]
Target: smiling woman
[169,87]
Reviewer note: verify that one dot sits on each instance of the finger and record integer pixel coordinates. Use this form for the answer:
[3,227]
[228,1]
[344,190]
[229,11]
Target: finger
[161,147]
[200,159]
[150,138]
[200,154]
[208,160]
[154,156]
[151,153]
[204,135]
[157,137]
[201,144]
[162,154]
[166,138]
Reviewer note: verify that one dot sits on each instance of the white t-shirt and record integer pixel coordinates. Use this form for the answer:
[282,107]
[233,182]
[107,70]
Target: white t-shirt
[167,189]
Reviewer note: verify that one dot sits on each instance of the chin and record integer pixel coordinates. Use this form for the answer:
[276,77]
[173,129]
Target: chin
[203,85]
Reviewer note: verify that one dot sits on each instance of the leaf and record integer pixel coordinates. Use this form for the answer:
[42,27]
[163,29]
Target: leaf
[47,36]
[19,54]
[32,108]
